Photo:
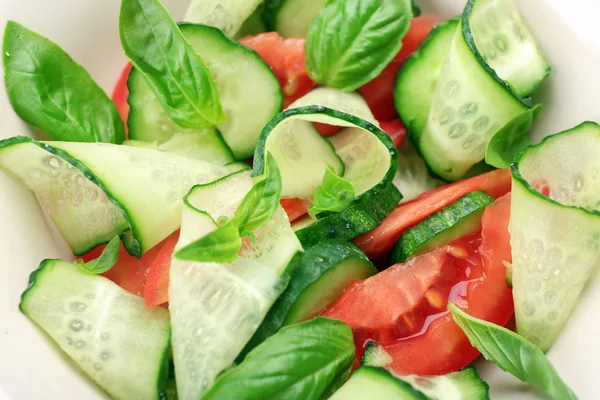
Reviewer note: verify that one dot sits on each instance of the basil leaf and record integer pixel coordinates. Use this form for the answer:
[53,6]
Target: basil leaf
[351,41]
[49,90]
[304,362]
[333,195]
[512,353]
[175,73]
[106,261]
[221,245]
[269,199]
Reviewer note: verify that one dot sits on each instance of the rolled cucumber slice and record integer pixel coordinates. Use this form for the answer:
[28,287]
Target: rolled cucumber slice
[367,154]
[461,385]
[203,144]
[291,18]
[108,332]
[226,15]
[216,308]
[412,177]
[94,191]
[319,277]
[250,93]
[504,41]
[555,239]
[376,383]
[459,219]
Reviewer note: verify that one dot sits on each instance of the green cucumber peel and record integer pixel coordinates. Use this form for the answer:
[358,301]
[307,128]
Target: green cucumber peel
[512,353]
[309,361]
[173,70]
[334,195]
[350,42]
[223,244]
[49,90]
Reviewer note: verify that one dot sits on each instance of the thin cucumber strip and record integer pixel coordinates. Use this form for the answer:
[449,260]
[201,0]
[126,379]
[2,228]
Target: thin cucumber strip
[203,144]
[465,384]
[108,332]
[369,158]
[226,15]
[417,78]
[319,277]
[291,18]
[506,44]
[376,383]
[233,66]
[94,191]
[216,308]
[412,177]
[459,219]
[555,239]
[253,25]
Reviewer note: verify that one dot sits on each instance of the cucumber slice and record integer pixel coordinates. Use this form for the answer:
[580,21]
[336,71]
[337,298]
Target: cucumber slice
[203,144]
[459,219]
[109,333]
[319,277]
[461,385]
[94,191]
[216,308]
[412,177]
[234,67]
[376,383]
[555,240]
[235,167]
[226,15]
[506,44]
[417,78]
[291,18]
[369,157]
[253,25]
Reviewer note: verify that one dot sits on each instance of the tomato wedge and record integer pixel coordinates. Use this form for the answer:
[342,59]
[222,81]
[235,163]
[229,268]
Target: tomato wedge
[404,308]
[121,92]
[156,290]
[395,129]
[379,93]
[129,272]
[294,208]
[380,240]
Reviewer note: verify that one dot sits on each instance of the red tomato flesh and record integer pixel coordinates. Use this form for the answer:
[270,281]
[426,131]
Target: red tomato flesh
[395,129]
[379,93]
[379,241]
[404,308]
[156,290]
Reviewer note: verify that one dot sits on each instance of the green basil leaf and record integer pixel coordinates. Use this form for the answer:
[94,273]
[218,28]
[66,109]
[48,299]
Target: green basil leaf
[333,195]
[351,41]
[300,362]
[106,261]
[512,353]
[269,200]
[249,203]
[221,245]
[173,70]
[49,90]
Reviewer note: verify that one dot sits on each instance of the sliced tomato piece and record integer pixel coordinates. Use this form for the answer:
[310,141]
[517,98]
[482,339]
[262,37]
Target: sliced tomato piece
[156,290]
[286,58]
[121,92]
[395,129]
[129,272]
[380,240]
[294,208]
[326,130]
[379,93]
[404,308]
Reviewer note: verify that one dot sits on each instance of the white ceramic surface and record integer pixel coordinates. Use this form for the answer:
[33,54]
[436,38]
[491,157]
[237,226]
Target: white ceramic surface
[31,368]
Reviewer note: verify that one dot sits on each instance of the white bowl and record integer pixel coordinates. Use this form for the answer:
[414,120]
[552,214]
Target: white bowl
[32,368]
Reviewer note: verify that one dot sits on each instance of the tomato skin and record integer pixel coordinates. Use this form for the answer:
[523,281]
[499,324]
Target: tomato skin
[380,240]
[129,272]
[121,92]
[396,130]
[156,290]
[379,93]
[287,60]
[444,347]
